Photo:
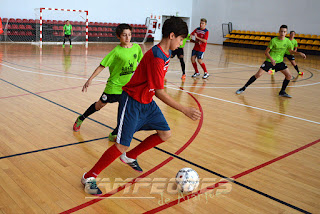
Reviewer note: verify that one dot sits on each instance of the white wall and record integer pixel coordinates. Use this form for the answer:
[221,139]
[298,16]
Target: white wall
[303,16]
[215,13]
[158,32]
[101,10]
[260,15]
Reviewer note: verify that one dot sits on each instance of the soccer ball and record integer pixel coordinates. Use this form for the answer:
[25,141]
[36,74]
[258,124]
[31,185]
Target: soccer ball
[187,180]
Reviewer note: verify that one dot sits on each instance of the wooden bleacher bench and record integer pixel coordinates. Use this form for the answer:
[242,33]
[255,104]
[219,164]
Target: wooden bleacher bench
[260,40]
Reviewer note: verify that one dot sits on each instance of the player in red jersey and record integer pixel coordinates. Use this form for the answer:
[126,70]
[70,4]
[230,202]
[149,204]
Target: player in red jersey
[201,37]
[137,109]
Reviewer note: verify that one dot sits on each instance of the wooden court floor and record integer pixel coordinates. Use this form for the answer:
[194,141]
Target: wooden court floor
[255,152]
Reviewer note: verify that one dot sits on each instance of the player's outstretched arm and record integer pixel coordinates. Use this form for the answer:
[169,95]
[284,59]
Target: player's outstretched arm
[300,53]
[93,75]
[190,112]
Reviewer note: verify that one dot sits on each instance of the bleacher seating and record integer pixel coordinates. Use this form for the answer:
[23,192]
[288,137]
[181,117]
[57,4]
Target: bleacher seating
[310,44]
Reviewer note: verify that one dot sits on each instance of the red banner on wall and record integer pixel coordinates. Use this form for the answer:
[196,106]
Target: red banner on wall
[1,29]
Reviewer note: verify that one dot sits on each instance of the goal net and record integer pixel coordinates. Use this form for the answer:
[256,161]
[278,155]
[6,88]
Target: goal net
[14,30]
[50,22]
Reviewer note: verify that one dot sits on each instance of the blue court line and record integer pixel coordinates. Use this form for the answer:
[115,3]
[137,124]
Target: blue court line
[54,103]
[50,148]
[159,149]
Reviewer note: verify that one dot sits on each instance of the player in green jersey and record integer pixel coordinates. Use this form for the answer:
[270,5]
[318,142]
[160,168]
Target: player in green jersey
[275,53]
[179,53]
[289,56]
[67,31]
[122,62]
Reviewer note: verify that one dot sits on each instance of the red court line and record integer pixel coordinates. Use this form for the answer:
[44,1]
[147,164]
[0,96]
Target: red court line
[41,92]
[192,195]
[84,205]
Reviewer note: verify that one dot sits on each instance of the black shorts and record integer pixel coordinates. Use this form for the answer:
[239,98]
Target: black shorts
[289,57]
[110,98]
[266,66]
[178,52]
[67,36]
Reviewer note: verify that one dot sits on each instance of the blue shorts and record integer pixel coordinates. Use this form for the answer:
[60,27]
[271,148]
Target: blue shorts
[134,116]
[199,54]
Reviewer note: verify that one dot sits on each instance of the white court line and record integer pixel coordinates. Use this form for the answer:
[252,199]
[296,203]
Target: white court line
[221,61]
[294,86]
[213,69]
[314,69]
[46,74]
[178,90]
[240,104]
[251,66]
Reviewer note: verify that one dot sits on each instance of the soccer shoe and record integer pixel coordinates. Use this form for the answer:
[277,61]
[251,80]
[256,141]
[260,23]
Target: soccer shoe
[183,77]
[284,94]
[271,72]
[300,73]
[205,76]
[62,46]
[77,125]
[239,91]
[70,46]
[131,162]
[195,74]
[112,137]
[90,185]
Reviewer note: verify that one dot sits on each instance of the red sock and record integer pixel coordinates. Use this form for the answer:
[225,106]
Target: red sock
[204,68]
[195,67]
[145,145]
[106,159]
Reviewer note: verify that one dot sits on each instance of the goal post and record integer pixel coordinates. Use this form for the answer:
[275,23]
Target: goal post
[50,22]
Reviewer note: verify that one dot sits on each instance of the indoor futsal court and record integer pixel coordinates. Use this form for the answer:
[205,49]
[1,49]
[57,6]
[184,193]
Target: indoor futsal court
[254,152]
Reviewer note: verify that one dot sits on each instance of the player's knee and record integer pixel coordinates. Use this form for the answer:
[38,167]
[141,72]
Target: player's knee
[288,76]
[259,73]
[99,105]
[165,135]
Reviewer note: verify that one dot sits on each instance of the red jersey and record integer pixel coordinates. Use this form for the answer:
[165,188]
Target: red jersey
[148,76]
[203,34]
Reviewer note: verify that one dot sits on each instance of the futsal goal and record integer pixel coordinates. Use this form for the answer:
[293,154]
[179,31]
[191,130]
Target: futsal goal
[50,22]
